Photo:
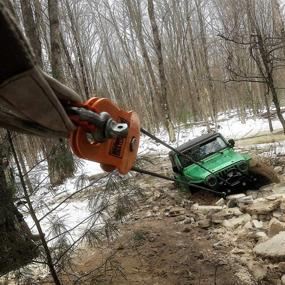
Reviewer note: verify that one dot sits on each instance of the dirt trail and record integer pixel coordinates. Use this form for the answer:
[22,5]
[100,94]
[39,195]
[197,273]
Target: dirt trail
[160,243]
[167,253]
[158,249]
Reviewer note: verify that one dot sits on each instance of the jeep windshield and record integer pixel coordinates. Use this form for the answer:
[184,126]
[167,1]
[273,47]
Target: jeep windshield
[199,152]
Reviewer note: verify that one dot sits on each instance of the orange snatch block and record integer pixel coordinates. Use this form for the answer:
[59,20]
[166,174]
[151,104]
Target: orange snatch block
[114,153]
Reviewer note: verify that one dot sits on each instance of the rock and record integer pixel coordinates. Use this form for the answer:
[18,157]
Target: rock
[261,236]
[277,214]
[151,237]
[194,207]
[120,247]
[278,169]
[176,211]
[220,202]
[244,277]
[235,196]
[264,217]
[155,209]
[179,218]
[236,211]
[185,203]
[238,251]
[268,187]
[224,214]
[258,270]
[275,226]
[156,196]
[282,218]
[186,230]
[248,225]
[257,224]
[205,209]
[190,220]
[282,206]
[283,280]
[252,193]
[233,199]
[167,209]
[278,196]
[272,248]
[235,222]
[218,245]
[271,197]
[261,207]
[245,200]
[279,188]
[206,223]
[281,266]
[148,214]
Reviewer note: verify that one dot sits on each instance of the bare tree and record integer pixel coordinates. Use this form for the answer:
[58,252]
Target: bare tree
[56,52]
[163,83]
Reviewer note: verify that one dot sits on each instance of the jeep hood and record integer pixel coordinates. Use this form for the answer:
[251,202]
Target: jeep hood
[214,163]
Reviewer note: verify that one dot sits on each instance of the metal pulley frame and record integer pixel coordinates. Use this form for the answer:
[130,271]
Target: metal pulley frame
[105,134]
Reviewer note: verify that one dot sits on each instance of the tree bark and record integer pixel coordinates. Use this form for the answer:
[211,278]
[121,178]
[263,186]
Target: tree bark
[56,54]
[31,29]
[137,26]
[163,82]
[82,66]
[33,214]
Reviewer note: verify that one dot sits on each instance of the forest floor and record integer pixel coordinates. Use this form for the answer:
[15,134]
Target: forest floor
[172,238]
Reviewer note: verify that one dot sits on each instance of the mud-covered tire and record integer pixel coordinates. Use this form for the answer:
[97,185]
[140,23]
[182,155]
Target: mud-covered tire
[262,173]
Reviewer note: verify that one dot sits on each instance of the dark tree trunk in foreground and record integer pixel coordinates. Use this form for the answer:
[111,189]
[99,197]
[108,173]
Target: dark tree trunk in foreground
[60,162]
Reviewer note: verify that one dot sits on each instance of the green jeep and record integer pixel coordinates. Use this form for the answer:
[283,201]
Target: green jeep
[211,161]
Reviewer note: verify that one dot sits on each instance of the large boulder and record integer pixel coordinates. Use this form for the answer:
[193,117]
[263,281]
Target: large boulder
[275,227]
[261,207]
[205,209]
[272,248]
[225,214]
[235,222]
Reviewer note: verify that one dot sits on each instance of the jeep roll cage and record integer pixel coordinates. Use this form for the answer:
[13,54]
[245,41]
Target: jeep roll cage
[184,148]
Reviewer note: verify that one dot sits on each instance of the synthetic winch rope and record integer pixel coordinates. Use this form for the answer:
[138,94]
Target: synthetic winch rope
[136,169]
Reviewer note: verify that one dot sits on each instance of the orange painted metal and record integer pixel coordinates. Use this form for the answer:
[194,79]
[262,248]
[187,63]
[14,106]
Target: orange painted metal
[115,153]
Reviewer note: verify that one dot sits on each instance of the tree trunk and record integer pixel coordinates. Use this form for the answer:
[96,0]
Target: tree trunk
[163,82]
[76,82]
[137,25]
[31,29]
[33,215]
[56,54]
[82,66]
[61,163]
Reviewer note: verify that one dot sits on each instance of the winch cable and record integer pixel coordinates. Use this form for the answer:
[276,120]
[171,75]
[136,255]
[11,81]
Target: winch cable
[81,114]
[143,171]
[145,132]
